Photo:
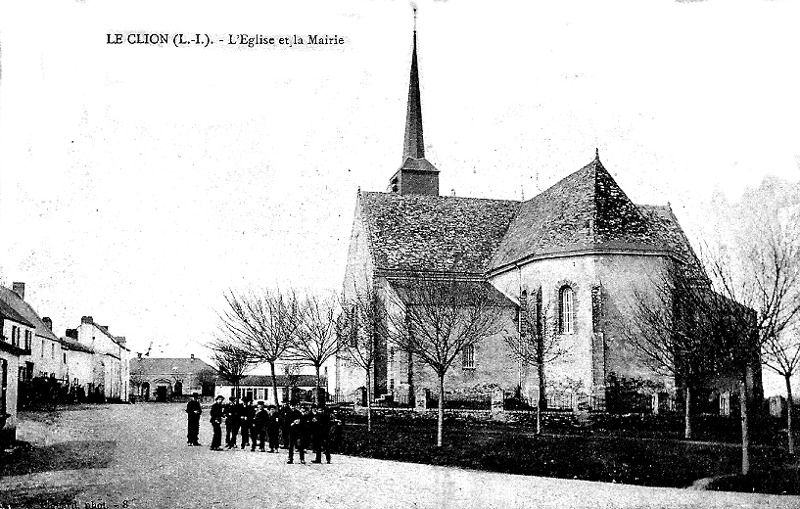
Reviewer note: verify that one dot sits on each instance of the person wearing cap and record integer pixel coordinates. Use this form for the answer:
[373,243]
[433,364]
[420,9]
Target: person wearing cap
[217,414]
[193,411]
[258,431]
[273,427]
[285,423]
[233,414]
[297,424]
[320,429]
[246,420]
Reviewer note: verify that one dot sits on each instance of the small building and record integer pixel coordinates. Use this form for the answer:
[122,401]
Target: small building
[80,373]
[166,379]
[15,341]
[259,388]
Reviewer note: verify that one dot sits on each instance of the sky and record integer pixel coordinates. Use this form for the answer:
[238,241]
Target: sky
[139,182]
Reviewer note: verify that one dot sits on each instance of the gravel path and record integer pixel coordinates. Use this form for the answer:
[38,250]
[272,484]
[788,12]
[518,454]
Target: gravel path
[152,467]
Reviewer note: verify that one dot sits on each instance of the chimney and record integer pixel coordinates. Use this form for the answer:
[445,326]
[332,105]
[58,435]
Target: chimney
[139,355]
[192,356]
[19,289]
[121,340]
[87,319]
[48,322]
[72,334]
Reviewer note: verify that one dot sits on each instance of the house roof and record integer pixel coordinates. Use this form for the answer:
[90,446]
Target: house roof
[119,341]
[266,381]
[25,310]
[164,365]
[71,344]
[434,233]
[412,292]
[6,311]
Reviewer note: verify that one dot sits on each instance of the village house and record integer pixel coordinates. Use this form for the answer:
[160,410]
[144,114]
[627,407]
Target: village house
[15,341]
[166,379]
[572,258]
[110,364]
[41,369]
[259,388]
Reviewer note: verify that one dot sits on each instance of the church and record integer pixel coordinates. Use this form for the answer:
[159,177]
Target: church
[575,255]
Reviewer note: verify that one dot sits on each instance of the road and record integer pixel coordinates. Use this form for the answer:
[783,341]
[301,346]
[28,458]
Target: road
[135,456]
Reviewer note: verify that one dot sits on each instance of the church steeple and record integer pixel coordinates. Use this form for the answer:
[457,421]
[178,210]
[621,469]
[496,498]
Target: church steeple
[414,145]
[416,175]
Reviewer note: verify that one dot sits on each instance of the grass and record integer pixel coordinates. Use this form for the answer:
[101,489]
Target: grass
[609,458]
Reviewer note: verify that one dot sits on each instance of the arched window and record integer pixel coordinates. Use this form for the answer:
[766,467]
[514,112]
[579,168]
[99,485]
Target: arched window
[567,310]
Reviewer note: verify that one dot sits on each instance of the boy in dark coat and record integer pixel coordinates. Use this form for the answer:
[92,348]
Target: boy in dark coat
[217,415]
[320,431]
[193,411]
[233,414]
[259,428]
[246,420]
[297,427]
[273,427]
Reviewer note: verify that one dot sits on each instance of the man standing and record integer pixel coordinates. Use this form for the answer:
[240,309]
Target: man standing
[273,427]
[233,413]
[193,411]
[258,431]
[297,426]
[217,414]
[246,421]
[320,429]
[285,423]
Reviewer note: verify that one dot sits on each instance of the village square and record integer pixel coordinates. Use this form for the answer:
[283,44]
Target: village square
[521,301]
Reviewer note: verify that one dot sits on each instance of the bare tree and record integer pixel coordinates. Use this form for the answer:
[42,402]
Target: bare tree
[439,319]
[765,278]
[232,361]
[316,340]
[362,328]
[781,354]
[671,327]
[536,344]
[263,323]
[291,371]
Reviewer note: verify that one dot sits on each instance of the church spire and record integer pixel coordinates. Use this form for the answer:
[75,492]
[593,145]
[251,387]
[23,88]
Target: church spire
[416,175]
[414,145]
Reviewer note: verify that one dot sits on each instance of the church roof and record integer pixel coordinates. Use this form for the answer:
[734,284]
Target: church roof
[585,210]
[434,233]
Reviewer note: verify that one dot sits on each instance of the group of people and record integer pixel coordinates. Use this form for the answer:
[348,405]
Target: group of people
[261,425]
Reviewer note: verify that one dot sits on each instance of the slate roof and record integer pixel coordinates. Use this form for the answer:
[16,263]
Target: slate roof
[163,365]
[409,292]
[71,344]
[266,381]
[6,311]
[434,233]
[586,210]
[24,309]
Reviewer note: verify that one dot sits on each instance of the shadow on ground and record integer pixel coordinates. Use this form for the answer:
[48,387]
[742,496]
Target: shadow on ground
[49,497]
[74,455]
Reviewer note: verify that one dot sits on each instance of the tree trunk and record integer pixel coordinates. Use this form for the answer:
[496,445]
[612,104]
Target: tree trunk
[316,388]
[412,395]
[440,419]
[369,403]
[745,431]
[687,432]
[539,417]
[789,405]
[274,384]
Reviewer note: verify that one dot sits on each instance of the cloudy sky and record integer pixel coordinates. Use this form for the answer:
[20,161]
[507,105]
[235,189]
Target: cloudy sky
[138,182]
